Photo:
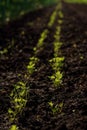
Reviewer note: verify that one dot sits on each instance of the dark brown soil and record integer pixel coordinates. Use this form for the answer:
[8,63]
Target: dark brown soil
[37,114]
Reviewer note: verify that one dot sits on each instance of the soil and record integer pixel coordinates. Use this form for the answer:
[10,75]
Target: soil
[37,114]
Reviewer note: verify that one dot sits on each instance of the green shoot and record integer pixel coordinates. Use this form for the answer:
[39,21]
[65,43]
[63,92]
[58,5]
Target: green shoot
[18,100]
[14,127]
[56,78]
[56,108]
[52,19]
[57,63]
[42,38]
[31,65]
[60,14]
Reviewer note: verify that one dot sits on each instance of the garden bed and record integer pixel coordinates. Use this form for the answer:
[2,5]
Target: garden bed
[48,107]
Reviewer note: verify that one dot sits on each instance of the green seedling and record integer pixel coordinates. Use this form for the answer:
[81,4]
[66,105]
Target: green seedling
[42,38]
[4,51]
[58,30]
[57,78]
[60,14]
[54,15]
[31,65]
[56,48]
[55,108]
[52,19]
[57,63]
[60,21]
[34,49]
[18,100]
[13,127]
[59,6]
[57,34]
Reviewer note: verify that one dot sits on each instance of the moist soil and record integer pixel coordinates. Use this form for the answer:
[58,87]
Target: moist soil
[37,115]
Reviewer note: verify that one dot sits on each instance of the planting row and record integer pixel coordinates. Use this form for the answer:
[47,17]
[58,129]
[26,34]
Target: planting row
[57,63]
[20,92]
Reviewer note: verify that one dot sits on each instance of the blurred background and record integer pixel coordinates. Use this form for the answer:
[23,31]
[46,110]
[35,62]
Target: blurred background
[11,9]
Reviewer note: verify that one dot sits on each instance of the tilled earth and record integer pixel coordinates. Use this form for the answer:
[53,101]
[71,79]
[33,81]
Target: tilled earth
[37,114]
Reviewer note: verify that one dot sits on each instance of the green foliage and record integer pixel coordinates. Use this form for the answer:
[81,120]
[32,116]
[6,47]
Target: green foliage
[18,100]
[56,108]
[14,127]
[54,15]
[42,38]
[52,19]
[57,78]
[57,63]
[60,14]
[57,46]
[31,65]
[4,51]
[60,21]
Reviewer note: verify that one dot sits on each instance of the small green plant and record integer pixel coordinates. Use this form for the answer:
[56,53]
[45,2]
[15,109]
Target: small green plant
[31,65]
[60,14]
[54,15]
[18,100]
[13,127]
[57,43]
[60,21]
[57,63]
[52,19]
[4,51]
[57,46]
[55,108]
[34,49]
[42,38]
[57,78]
